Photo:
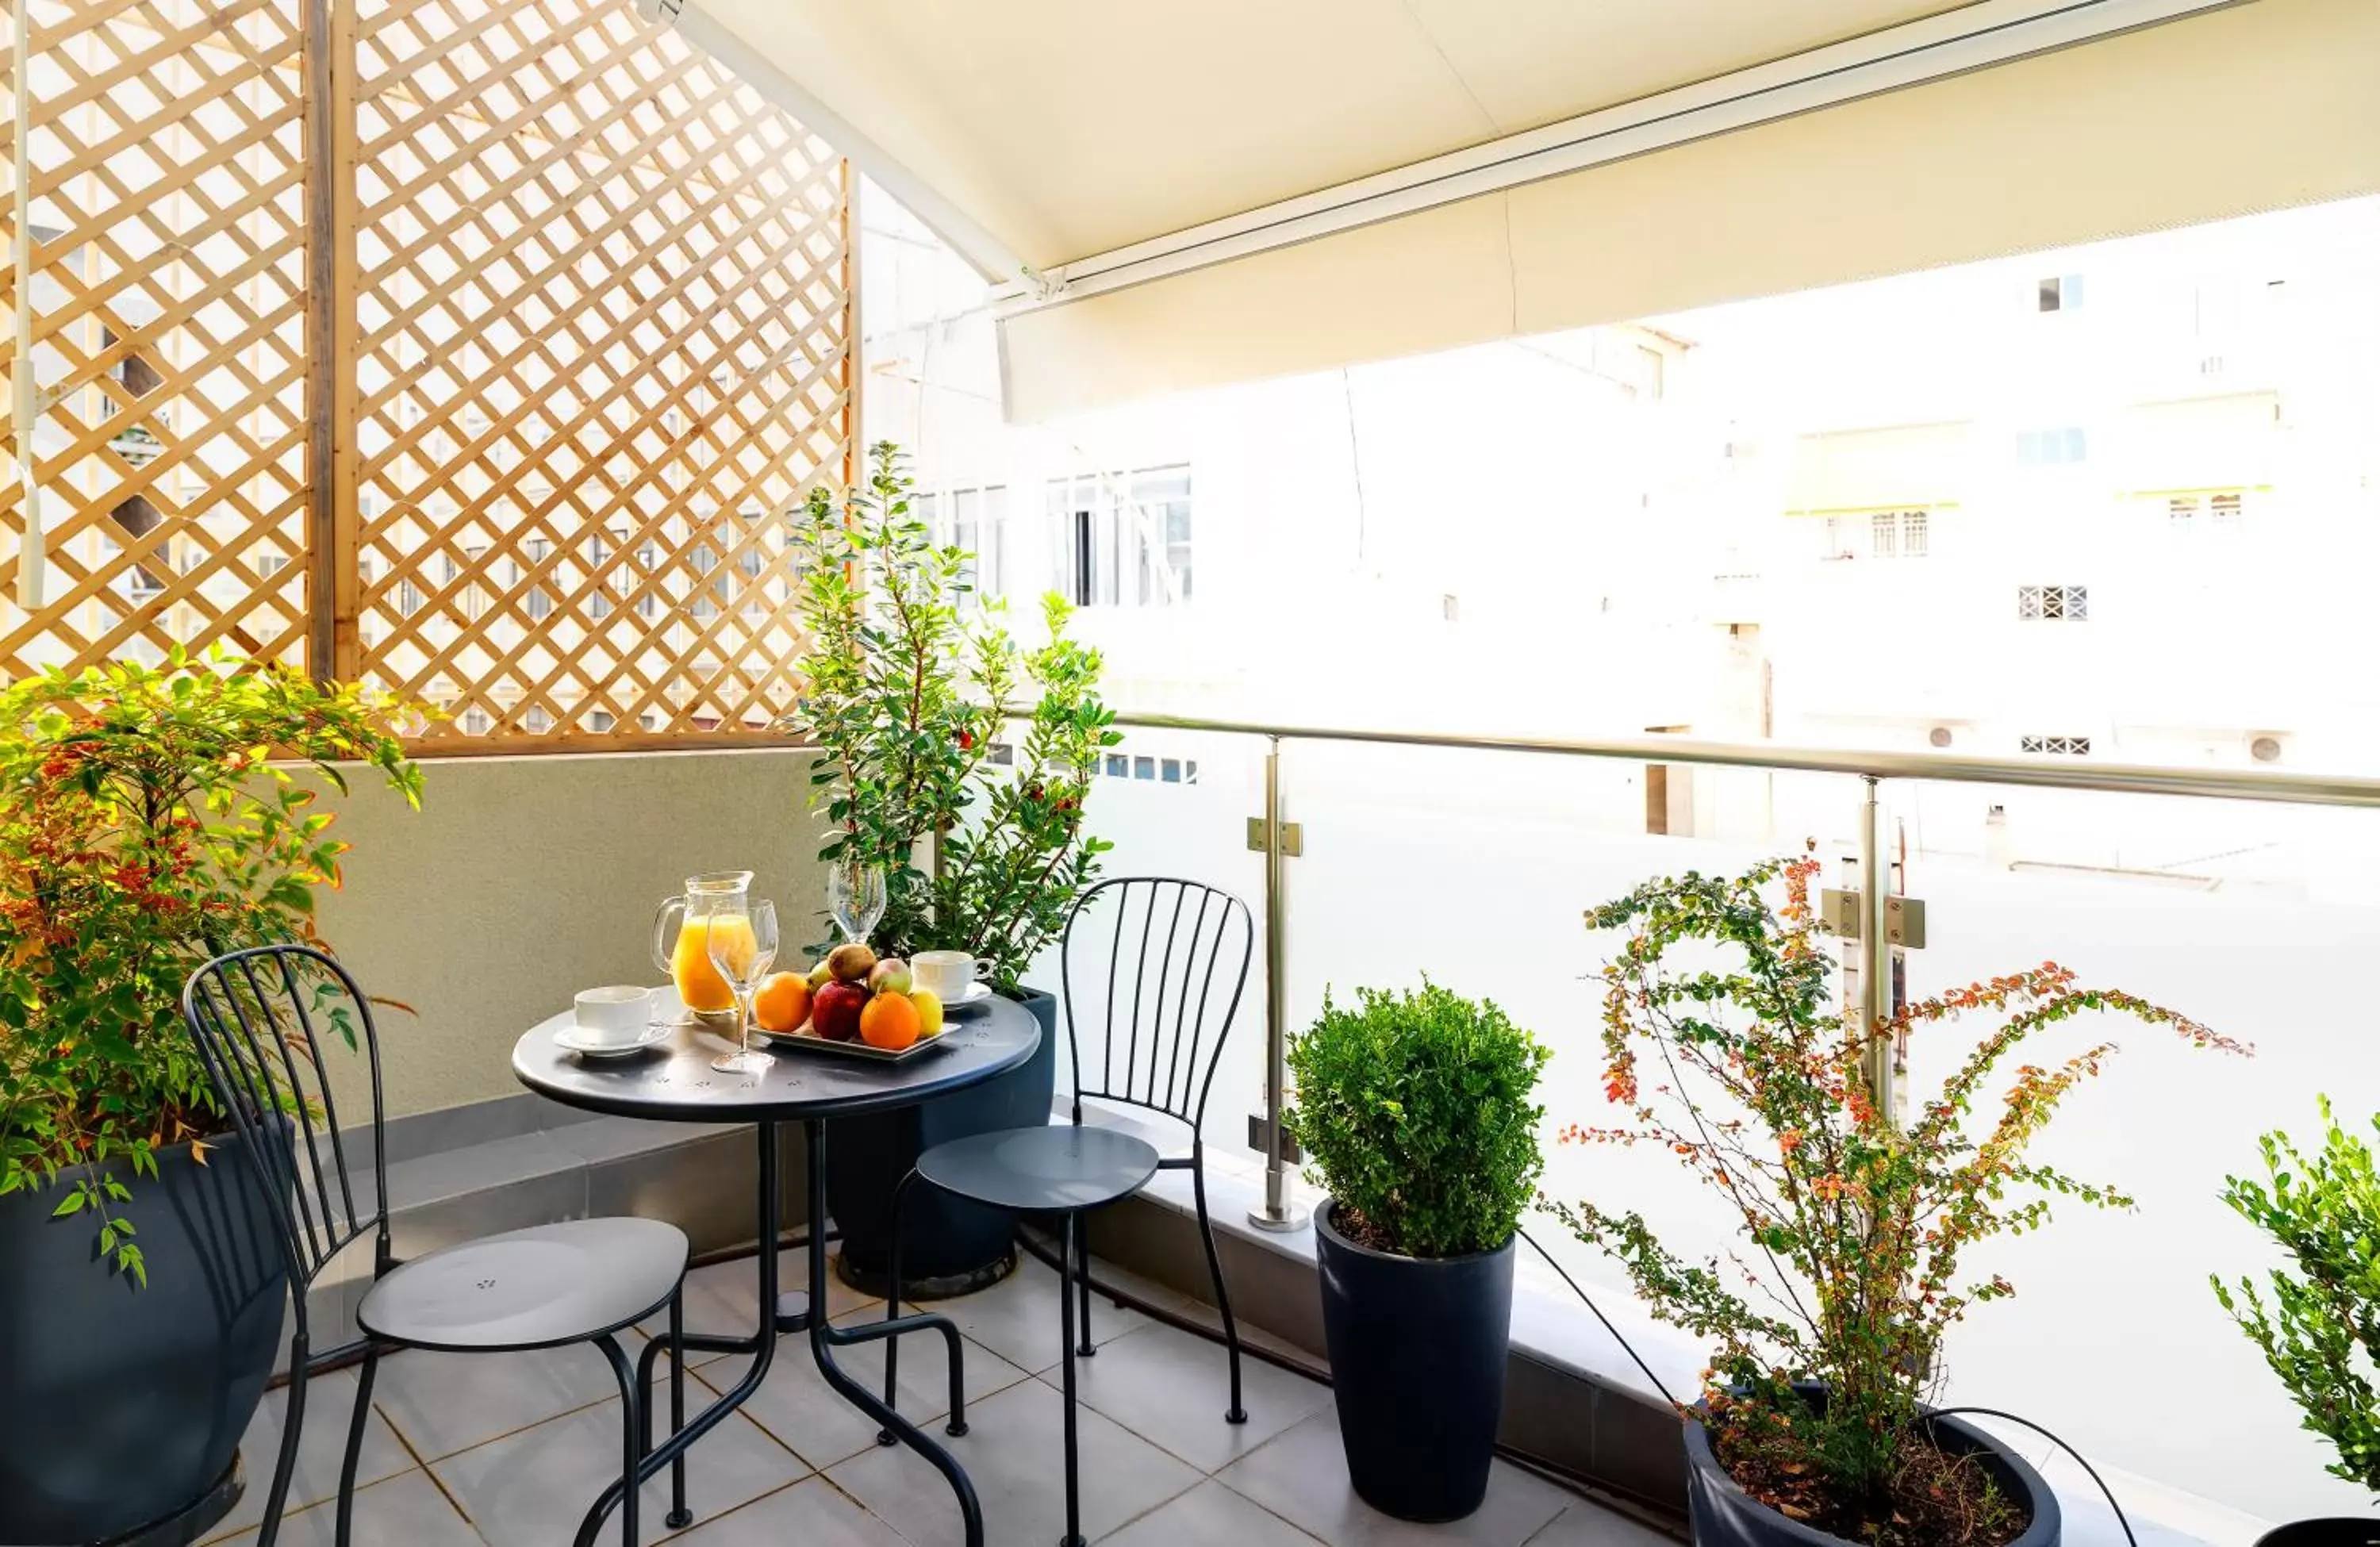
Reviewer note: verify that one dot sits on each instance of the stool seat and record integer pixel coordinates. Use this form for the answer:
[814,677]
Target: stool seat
[1063,1166]
[540,1287]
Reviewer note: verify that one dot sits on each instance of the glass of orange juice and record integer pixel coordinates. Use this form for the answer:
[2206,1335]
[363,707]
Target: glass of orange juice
[682,930]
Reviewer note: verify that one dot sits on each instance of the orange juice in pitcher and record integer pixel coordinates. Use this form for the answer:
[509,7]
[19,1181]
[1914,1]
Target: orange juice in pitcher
[682,932]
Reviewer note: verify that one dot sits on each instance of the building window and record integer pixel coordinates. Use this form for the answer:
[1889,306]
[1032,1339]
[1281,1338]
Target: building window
[974,520]
[537,719]
[540,600]
[475,721]
[2056,746]
[1001,754]
[1122,539]
[2054,603]
[599,720]
[2193,512]
[1144,768]
[2062,293]
[1118,766]
[2225,509]
[2051,448]
[269,564]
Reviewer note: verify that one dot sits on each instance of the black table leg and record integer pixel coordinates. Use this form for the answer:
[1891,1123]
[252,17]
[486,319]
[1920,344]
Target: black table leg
[761,1344]
[825,1336]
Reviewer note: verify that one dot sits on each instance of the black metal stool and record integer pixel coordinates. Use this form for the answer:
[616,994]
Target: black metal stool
[1168,1067]
[253,1014]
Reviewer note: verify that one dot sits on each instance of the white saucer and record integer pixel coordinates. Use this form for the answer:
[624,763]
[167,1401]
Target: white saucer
[976,994]
[569,1040]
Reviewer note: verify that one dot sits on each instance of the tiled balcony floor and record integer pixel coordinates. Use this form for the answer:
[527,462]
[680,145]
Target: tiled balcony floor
[507,1450]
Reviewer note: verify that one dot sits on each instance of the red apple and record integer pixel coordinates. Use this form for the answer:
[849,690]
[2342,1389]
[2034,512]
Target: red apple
[834,1011]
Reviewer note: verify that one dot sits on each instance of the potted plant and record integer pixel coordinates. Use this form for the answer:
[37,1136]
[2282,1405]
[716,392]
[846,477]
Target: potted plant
[908,694]
[2321,1329]
[141,831]
[1415,1110]
[1814,1424]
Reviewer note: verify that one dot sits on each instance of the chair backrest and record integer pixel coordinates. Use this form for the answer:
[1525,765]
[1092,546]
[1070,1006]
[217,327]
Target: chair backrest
[263,1019]
[1153,967]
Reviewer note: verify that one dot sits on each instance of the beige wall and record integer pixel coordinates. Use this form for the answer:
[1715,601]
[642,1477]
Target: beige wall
[523,880]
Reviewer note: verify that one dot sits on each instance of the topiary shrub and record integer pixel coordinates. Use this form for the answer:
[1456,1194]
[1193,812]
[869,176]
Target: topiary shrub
[1414,1109]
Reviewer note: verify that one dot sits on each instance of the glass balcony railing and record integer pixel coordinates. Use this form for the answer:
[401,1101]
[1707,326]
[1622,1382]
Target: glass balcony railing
[2240,900]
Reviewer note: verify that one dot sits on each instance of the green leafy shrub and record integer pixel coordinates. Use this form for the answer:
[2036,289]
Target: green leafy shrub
[2320,1331]
[145,827]
[905,696]
[1415,1110]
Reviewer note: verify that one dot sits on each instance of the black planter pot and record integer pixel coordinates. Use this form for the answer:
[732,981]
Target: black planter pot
[122,1408]
[2337,1530]
[1417,1349]
[1723,1515]
[948,1245]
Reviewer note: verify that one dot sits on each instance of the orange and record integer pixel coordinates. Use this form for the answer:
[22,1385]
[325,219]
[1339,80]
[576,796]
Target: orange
[781,1002]
[889,1022]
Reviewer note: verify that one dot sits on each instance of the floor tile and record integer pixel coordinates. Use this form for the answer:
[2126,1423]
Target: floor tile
[1013,1453]
[812,1514]
[322,1444]
[1017,1318]
[1303,1478]
[1209,1515]
[443,1403]
[726,1297]
[406,1510]
[1587,1525]
[796,1405]
[531,1489]
[1173,1388]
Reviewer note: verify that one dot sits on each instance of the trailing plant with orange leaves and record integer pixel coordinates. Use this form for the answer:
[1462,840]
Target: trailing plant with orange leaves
[1854,1229]
[146,825]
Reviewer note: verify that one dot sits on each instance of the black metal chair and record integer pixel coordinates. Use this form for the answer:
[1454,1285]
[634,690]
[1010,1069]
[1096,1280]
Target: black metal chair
[1167,1065]
[258,1018]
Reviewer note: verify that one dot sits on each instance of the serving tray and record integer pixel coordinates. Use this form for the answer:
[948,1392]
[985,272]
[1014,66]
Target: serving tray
[856,1050]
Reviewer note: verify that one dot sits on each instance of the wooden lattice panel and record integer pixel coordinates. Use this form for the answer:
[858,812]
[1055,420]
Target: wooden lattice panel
[168,300]
[600,299]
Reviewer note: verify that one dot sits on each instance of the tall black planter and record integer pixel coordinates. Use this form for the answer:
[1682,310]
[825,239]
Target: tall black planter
[2337,1530]
[121,1407]
[1723,1514]
[1417,1349]
[948,1245]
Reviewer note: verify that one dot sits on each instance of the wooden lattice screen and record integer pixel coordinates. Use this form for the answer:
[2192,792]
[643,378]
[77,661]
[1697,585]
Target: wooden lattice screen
[168,303]
[476,348]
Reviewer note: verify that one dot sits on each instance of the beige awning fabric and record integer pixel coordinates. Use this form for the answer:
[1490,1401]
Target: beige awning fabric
[1901,467]
[2195,444]
[1042,134]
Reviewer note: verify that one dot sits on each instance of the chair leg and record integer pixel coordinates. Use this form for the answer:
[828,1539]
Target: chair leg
[292,1419]
[632,1434]
[1083,1344]
[893,1311]
[356,1421]
[1073,1537]
[1234,1413]
[679,1516]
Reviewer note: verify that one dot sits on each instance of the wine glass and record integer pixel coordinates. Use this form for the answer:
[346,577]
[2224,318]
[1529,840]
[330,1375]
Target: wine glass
[855,894]
[742,949]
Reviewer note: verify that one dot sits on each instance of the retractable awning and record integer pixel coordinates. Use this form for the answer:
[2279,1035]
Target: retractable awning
[1900,467]
[2223,441]
[1175,193]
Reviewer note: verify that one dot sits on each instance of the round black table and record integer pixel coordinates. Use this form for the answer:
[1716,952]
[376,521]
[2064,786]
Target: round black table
[673,1082]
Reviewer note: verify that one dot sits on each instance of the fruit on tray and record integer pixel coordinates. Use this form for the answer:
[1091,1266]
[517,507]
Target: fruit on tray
[781,1002]
[890,1022]
[929,1011]
[890,975]
[850,963]
[835,1011]
[822,974]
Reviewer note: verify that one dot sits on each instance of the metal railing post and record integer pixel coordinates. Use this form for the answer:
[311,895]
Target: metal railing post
[1277,1213]
[1875,949]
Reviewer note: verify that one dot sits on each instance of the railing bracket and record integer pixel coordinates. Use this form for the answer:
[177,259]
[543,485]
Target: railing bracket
[1293,838]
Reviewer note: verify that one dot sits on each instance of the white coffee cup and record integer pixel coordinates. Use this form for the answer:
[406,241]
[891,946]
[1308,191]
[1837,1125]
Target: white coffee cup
[947,975]
[613,1016]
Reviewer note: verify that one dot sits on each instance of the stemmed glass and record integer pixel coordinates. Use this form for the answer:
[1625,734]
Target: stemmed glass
[855,894]
[743,957]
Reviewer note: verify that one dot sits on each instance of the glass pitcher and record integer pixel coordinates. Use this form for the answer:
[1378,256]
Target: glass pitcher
[682,930]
